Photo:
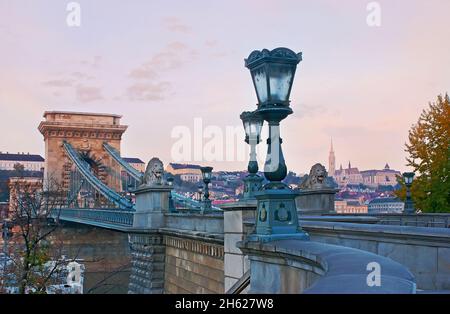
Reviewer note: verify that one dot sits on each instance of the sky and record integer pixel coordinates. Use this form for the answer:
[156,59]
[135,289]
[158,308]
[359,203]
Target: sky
[162,64]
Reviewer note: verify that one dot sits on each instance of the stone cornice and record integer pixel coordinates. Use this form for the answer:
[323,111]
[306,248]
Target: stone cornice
[46,126]
[81,132]
[196,246]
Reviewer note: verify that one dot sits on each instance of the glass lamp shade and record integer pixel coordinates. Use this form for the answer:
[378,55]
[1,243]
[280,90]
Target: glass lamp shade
[273,74]
[200,189]
[408,177]
[206,173]
[253,123]
[170,181]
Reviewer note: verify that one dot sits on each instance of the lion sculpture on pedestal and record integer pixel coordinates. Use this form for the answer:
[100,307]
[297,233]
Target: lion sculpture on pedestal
[316,178]
[153,173]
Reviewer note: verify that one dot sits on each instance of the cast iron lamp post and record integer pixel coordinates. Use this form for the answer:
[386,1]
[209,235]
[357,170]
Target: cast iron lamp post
[409,204]
[253,123]
[206,174]
[273,74]
[199,192]
[172,208]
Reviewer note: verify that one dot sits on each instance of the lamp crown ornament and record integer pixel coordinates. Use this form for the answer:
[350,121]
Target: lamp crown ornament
[273,73]
[281,54]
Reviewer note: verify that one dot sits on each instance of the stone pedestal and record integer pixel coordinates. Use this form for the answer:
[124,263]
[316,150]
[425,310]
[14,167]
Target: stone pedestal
[235,262]
[151,204]
[315,201]
[147,249]
[147,261]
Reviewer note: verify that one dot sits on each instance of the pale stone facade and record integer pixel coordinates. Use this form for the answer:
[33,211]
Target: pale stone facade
[30,162]
[187,172]
[384,177]
[350,207]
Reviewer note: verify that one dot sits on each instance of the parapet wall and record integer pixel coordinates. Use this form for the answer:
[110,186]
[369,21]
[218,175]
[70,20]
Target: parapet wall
[193,265]
[424,251]
[298,266]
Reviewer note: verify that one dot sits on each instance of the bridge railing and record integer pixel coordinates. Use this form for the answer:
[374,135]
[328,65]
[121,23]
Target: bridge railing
[97,216]
[189,203]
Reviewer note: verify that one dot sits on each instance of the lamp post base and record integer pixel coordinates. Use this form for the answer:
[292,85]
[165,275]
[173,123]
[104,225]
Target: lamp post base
[276,217]
[252,184]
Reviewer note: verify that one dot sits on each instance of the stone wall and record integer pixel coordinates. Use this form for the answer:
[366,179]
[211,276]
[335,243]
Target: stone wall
[193,266]
[105,254]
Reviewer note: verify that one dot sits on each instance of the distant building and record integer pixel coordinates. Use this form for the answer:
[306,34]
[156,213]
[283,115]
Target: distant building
[18,185]
[136,163]
[385,205]
[350,207]
[30,162]
[380,177]
[348,176]
[191,177]
[352,175]
[187,172]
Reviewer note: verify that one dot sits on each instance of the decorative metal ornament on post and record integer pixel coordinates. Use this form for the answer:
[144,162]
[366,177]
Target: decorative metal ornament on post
[206,202]
[409,204]
[273,74]
[253,123]
[199,192]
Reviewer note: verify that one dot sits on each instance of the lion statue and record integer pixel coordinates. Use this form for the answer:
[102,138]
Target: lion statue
[316,178]
[153,173]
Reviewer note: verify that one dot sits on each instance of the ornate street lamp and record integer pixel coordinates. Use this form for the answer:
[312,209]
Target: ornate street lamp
[409,204]
[273,74]
[206,174]
[253,123]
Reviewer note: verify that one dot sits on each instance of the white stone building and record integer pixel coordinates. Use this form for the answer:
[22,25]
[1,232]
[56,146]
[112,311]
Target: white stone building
[29,161]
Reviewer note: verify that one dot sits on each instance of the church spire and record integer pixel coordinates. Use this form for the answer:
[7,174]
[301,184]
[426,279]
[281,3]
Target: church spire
[331,161]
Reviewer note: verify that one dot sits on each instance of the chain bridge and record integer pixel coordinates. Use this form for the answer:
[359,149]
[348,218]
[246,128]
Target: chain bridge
[174,246]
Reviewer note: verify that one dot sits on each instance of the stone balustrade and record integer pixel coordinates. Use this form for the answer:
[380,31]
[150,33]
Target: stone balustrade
[296,266]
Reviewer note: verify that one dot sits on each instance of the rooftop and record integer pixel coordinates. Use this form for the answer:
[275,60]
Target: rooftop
[133,160]
[380,200]
[82,114]
[21,157]
[184,166]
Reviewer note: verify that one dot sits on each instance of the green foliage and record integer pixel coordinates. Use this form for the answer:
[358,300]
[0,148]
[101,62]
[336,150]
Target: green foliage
[429,156]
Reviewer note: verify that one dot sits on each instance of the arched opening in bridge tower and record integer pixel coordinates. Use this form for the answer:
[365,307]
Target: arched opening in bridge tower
[89,196]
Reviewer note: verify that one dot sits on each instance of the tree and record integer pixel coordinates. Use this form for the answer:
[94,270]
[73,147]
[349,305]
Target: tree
[34,256]
[429,156]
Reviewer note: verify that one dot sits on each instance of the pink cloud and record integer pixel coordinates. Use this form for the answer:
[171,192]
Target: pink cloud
[88,93]
[148,91]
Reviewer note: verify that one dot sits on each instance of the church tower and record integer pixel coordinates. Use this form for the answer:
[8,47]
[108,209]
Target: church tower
[331,161]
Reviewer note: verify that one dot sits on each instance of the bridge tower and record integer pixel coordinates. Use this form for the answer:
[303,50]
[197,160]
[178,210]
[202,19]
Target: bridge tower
[86,132]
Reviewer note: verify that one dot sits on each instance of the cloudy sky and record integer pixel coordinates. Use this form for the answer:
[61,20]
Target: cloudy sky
[161,64]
